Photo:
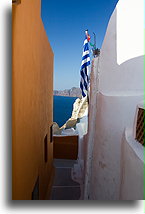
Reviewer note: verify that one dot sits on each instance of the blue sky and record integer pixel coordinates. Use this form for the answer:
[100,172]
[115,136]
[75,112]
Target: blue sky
[65,22]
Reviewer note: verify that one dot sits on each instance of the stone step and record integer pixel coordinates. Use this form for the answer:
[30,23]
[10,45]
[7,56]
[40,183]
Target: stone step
[65,193]
[64,188]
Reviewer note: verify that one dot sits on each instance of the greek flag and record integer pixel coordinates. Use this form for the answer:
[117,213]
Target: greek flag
[84,83]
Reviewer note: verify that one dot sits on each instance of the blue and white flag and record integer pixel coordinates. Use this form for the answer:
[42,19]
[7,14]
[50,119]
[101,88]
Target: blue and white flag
[84,83]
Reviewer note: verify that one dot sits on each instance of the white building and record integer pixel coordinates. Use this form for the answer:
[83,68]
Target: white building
[110,163]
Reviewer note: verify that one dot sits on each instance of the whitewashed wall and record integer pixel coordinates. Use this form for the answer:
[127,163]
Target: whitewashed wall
[123,43]
[114,98]
[132,168]
[130,30]
[78,170]
[113,114]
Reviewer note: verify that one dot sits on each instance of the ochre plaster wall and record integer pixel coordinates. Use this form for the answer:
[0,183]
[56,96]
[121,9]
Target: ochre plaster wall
[32,101]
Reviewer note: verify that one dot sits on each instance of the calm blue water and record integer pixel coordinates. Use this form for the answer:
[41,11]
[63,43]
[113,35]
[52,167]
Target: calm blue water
[62,109]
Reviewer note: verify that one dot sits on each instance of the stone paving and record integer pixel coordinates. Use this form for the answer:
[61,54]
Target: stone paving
[64,188]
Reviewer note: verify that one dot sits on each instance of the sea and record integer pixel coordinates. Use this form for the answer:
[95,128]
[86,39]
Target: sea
[62,109]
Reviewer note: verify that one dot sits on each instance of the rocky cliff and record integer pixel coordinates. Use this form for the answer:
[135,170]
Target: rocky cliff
[73,92]
[80,109]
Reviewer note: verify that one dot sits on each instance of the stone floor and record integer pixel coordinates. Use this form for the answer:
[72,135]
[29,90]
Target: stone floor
[64,188]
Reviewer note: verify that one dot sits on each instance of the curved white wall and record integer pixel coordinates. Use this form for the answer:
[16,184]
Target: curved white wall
[130,26]
[113,114]
[121,60]
[116,89]
[132,168]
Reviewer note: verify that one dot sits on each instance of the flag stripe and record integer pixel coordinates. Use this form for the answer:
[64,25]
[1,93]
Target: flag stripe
[86,56]
[85,61]
[85,64]
[85,52]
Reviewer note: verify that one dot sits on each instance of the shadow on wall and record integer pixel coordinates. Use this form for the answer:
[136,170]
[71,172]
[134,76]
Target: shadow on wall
[132,73]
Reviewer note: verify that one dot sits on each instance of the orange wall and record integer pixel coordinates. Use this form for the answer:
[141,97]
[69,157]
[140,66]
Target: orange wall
[32,89]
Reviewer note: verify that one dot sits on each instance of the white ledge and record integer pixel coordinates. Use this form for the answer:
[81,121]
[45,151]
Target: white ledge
[122,93]
[134,144]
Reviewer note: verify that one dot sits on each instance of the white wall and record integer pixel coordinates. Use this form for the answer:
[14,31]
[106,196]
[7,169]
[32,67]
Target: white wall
[130,29]
[112,115]
[77,172]
[132,168]
[123,43]
[116,89]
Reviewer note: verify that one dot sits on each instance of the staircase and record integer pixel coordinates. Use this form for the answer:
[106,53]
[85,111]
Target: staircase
[64,188]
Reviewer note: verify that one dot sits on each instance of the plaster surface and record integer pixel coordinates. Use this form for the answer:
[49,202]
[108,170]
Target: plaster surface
[132,168]
[116,89]
[32,92]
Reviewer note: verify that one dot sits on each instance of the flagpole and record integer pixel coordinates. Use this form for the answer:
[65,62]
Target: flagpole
[88,97]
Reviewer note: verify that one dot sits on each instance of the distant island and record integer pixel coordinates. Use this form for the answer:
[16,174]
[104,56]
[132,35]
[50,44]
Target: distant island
[73,92]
